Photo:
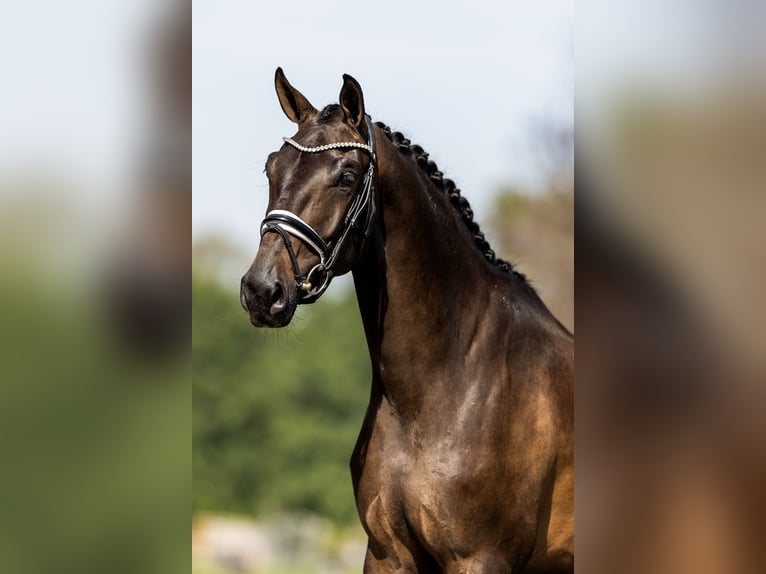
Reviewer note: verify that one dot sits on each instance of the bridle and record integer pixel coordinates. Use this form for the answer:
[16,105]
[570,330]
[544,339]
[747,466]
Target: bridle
[286,224]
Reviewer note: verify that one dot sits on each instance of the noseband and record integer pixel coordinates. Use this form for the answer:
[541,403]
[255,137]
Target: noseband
[286,224]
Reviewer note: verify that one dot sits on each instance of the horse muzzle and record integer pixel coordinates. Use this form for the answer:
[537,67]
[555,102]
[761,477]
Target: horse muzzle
[269,301]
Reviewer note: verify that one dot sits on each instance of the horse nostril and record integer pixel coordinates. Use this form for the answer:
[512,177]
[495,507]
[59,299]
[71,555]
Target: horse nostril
[277,298]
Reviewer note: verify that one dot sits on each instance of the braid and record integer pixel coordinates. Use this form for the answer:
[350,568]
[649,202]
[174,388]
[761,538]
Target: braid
[458,202]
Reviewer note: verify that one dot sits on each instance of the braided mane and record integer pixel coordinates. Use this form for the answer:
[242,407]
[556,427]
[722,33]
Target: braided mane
[458,202]
[447,186]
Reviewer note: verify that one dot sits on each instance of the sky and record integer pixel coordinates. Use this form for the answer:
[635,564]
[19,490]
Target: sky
[74,88]
[467,81]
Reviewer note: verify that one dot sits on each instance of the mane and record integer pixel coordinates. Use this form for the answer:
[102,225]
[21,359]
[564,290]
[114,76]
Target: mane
[458,202]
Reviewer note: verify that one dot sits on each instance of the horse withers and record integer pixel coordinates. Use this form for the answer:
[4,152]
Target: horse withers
[465,460]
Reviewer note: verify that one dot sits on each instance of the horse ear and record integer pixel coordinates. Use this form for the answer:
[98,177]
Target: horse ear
[352,102]
[294,104]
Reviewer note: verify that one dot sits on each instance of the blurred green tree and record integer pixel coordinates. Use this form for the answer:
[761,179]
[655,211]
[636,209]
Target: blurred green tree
[276,413]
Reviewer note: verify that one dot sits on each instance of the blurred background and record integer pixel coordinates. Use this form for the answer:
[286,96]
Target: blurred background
[487,89]
[95,220]
[671,142]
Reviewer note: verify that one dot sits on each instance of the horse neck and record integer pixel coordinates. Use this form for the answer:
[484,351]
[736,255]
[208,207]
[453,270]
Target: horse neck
[421,284]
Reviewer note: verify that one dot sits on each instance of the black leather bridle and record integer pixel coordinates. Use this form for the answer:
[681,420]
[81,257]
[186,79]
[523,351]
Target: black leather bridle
[287,224]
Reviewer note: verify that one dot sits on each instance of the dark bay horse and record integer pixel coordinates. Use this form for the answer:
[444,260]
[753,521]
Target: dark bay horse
[465,459]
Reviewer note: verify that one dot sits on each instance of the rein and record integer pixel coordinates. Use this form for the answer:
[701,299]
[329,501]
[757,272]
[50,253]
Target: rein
[286,224]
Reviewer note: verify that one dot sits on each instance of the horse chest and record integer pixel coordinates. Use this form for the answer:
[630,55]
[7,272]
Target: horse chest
[435,490]
[452,495]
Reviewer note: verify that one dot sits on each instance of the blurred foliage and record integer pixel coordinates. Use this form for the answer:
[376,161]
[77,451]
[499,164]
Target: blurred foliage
[276,414]
[536,232]
[96,461]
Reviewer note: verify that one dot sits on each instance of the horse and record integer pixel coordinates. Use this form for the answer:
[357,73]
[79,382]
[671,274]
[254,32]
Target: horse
[465,459]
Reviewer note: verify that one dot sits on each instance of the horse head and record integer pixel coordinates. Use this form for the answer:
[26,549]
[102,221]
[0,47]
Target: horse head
[321,204]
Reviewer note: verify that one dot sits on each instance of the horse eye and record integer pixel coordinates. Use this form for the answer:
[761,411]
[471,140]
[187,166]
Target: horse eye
[347,179]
